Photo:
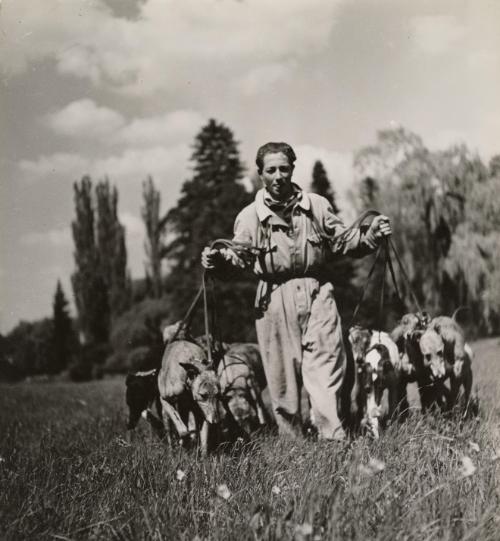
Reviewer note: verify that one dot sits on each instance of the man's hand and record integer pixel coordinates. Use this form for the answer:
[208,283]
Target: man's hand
[379,229]
[209,258]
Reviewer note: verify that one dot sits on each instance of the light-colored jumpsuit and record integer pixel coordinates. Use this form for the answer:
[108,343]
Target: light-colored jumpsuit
[298,325]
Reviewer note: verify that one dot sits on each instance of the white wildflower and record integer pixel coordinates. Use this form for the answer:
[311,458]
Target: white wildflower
[179,474]
[474,446]
[276,490]
[223,492]
[467,468]
[373,467]
[303,531]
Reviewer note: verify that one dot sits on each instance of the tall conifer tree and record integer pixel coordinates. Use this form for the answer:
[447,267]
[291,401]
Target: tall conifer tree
[206,211]
[321,185]
[63,337]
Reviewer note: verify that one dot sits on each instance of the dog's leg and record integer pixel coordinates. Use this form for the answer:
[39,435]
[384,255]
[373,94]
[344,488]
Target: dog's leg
[204,438]
[392,384]
[165,422]
[454,391]
[258,404]
[171,412]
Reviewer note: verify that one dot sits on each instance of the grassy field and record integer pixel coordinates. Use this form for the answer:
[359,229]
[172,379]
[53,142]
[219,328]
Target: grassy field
[67,473]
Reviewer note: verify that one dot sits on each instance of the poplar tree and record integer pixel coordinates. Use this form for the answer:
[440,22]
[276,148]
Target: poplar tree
[101,284]
[89,286]
[112,249]
[153,245]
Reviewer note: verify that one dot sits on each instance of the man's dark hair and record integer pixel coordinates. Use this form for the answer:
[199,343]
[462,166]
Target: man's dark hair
[273,148]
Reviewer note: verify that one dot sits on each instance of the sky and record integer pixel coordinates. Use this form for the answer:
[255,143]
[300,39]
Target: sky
[120,88]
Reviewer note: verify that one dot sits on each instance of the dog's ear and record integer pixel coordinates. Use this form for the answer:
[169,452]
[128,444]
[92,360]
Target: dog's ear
[194,368]
[191,370]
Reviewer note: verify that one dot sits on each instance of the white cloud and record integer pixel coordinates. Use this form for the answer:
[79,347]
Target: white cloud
[265,77]
[84,118]
[170,127]
[132,165]
[167,45]
[58,165]
[54,237]
[436,34]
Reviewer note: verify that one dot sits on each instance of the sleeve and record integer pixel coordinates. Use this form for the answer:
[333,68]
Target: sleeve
[235,260]
[355,242]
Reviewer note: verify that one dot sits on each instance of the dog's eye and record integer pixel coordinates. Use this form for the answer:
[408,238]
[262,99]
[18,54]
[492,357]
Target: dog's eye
[440,352]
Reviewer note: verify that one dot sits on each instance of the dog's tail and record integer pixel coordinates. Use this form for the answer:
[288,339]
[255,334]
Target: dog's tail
[457,311]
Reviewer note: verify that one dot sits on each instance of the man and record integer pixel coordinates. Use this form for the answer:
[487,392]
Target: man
[298,325]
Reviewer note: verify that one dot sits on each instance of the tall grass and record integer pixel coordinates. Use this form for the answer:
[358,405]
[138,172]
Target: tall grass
[67,473]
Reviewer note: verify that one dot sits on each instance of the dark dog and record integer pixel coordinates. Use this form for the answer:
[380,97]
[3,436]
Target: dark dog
[141,396]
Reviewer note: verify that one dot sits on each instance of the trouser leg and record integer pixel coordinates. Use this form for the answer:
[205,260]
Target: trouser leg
[279,336]
[323,363]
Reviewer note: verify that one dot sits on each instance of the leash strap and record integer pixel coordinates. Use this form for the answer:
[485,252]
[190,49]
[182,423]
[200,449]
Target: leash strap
[382,289]
[358,306]
[205,318]
[185,322]
[405,275]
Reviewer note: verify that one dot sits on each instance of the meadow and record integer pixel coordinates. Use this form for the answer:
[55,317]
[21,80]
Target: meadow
[67,472]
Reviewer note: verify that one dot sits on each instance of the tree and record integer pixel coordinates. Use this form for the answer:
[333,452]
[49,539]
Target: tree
[89,284]
[63,336]
[321,185]
[112,249]
[101,284]
[427,195]
[340,271]
[206,210]
[29,346]
[154,232]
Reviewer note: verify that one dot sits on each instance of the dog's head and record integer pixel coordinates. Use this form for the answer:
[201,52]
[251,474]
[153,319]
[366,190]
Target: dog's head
[205,388]
[432,348]
[142,389]
[239,392]
[376,367]
[359,339]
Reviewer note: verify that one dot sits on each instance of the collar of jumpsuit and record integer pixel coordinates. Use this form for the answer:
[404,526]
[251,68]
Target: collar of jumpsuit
[280,211]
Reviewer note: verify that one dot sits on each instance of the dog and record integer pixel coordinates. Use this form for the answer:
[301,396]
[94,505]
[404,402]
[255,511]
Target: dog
[188,386]
[141,396]
[242,380]
[446,355]
[407,335]
[377,368]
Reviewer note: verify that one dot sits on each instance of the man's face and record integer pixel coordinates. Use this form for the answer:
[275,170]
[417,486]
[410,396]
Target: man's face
[277,175]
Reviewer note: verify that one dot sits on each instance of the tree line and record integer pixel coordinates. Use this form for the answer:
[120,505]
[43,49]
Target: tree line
[445,216]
